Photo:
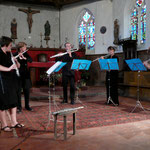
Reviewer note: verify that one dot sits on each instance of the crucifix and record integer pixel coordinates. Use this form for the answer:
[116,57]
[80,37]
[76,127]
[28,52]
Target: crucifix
[29,13]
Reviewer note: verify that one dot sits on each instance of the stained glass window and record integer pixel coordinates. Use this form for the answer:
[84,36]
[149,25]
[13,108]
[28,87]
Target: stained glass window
[91,34]
[86,17]
[82,34]
[86,31]
[138,22]
[139,3]
[143,24]
[134,24]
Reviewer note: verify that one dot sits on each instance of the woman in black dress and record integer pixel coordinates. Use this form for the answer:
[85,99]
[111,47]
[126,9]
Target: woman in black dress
[8,97]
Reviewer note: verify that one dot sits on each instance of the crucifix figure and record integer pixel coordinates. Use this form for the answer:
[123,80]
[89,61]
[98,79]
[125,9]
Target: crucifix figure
[29,13]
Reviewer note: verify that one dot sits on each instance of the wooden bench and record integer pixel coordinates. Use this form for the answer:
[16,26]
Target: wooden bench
[65,113]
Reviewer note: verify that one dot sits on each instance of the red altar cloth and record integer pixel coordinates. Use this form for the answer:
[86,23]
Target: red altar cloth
[41,64]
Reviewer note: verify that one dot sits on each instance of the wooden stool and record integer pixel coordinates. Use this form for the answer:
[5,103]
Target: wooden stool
[64,113]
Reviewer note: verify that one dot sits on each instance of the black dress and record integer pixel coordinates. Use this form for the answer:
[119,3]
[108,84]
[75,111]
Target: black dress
[113,76]
[8,97]
[68,75]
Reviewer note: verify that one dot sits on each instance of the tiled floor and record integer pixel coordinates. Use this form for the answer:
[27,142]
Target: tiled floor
[129,136]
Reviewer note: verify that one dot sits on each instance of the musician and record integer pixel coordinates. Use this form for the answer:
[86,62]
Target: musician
[146,64]
[68,75]
[113,75]
[8,97]
[25,80]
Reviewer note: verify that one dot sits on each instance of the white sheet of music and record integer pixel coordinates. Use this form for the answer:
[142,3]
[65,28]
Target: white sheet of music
[52,69]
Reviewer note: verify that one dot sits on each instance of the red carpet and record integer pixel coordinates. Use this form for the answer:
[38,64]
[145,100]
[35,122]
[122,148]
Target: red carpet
[96,114]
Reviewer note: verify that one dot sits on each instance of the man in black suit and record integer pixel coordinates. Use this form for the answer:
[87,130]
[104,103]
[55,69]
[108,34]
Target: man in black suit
[68,74]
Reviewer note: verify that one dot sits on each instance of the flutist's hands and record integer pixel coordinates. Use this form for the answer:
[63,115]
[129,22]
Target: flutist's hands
[12,67]
[146,64]
[102,57]
[16,62]
[21,56]
[69,52]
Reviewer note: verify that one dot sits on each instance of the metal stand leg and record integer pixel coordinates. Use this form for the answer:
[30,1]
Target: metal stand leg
[138,103]
[50,113]
[109,98]
[56,108]
[55,127]
[77,97]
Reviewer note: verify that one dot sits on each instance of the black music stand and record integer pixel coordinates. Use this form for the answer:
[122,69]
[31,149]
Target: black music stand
[108,65]
[137,65]
[55,68]
[80,64]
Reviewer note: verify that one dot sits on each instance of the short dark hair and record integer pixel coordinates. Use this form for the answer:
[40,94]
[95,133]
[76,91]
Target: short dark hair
[5,41]
[111,48]
[67,43]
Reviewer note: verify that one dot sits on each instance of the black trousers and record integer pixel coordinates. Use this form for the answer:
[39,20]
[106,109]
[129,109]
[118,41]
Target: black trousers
[26,93]
[65,80]
[25,86]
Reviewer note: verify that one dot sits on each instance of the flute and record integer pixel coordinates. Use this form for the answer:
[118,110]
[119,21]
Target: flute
[61,54]
[13,61]
[21,53]
[106,56]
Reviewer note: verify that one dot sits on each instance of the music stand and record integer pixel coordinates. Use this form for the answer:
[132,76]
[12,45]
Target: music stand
[108,65]
[55,68]
[137,65]
[80,64]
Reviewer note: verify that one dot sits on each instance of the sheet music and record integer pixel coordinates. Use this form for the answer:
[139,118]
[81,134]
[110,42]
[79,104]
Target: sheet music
[136,64]
[52,69]
[81,64]
[106,64]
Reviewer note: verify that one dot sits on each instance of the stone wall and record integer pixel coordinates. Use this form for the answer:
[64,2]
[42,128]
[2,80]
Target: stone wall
[8,11]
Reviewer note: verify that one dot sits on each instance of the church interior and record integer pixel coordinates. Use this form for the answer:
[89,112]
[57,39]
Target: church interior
[91,27]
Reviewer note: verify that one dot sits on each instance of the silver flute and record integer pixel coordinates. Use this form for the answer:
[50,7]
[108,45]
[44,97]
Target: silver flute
[13,61]
[106,56]
[21,53]
[61,54]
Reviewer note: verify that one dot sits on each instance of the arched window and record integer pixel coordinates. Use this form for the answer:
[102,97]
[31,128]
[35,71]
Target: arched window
[86,31]
[138,22]
[143,24]
[134,24]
